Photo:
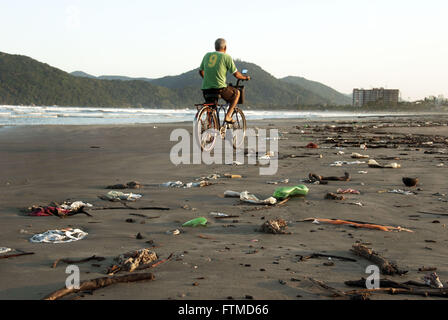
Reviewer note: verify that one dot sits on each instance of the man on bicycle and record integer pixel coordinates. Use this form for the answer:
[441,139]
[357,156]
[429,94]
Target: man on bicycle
[213,70]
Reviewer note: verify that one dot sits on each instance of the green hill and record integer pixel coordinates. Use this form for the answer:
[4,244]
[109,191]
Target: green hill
[26,81]
[320,89]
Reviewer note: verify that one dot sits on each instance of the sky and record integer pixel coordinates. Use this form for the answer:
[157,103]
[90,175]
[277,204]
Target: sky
[345,44]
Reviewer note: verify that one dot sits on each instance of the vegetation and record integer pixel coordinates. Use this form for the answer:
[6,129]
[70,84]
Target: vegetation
[24,81]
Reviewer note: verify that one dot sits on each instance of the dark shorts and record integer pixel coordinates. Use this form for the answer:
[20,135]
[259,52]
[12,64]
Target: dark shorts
[229,94]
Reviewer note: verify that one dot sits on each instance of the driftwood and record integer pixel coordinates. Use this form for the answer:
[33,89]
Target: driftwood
[434,213]
[227,217]
[392,287]
[334,292]
[385,266]
[16,255]
[99,283]
[68,261]
[143,216]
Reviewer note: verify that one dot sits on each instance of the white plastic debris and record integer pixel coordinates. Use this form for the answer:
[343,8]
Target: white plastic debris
[59,236]
[356,155]
[374,164]
[218,214]
[173,184]
[278,181]
[117,195]
[340,163]
[399,191]
[232,194]
[75,205]
[4,250]
[363,172]
[250,198]
[237,163]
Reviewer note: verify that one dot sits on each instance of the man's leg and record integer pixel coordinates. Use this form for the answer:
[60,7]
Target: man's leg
[231,95]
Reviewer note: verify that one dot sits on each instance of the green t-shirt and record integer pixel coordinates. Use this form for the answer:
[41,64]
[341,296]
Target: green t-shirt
[215,66]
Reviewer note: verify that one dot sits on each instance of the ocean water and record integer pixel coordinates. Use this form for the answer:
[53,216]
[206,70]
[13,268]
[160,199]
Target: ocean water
[41,115]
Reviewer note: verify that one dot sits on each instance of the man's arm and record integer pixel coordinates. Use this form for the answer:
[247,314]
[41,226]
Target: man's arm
[240,76]
[201,73]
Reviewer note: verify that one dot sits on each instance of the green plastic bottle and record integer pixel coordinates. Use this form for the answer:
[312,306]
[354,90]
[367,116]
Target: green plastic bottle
[198,222]
[287,192]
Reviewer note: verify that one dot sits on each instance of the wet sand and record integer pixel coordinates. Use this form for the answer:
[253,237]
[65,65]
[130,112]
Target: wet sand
[54,163]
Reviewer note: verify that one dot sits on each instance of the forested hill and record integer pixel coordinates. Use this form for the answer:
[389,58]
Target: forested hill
[24,81]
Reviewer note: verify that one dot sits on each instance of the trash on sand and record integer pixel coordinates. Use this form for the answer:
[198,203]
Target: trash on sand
[287,192]
[237,163]
[174,232]
[356,155]
[312,145]
[333,196]
[363,147]
[315,177]
[386,267]
[232,176]
[363,172]
[132,260]
[59,236]
[218,214]
[433,280]
[404,192]
[120,196]
[360,204]
[278,181]
[340,153]
[340,163]
[358,224]
[129,185]
[75,205]
[198,222]
[276,226]
[267,156]
[245,196]
[59,210]
[173,184]
[214,176]
[440,165]
[348,191]
[232,194]
[373,164]
[410,182]
[4,250]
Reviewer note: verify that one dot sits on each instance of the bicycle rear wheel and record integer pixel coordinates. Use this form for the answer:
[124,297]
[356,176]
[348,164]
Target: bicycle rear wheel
[207,128]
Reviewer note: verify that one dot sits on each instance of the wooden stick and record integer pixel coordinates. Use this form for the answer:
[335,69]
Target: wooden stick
[99,283]
[156,264]
[335,293]
[16,255]
[68,261]
[385,266]
[318,255]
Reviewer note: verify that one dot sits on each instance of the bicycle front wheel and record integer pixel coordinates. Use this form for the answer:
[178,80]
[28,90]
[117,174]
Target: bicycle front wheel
[207,128]
[239,127]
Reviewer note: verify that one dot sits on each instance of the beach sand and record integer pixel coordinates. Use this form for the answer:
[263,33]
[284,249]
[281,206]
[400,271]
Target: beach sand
[40,164]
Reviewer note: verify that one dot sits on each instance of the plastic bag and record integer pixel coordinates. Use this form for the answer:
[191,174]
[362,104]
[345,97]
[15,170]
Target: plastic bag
[287,192]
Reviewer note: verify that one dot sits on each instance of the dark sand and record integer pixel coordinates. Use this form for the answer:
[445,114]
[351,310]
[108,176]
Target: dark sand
[53,163]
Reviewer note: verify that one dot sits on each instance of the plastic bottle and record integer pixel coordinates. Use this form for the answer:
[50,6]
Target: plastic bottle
[198,222]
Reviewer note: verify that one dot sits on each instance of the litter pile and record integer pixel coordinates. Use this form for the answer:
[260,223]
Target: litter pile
[65,209]
[115,196]
[59,236]
[131,261]
[276,226]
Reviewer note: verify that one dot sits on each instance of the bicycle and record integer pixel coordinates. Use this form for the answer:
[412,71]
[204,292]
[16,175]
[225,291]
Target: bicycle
[208,120]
